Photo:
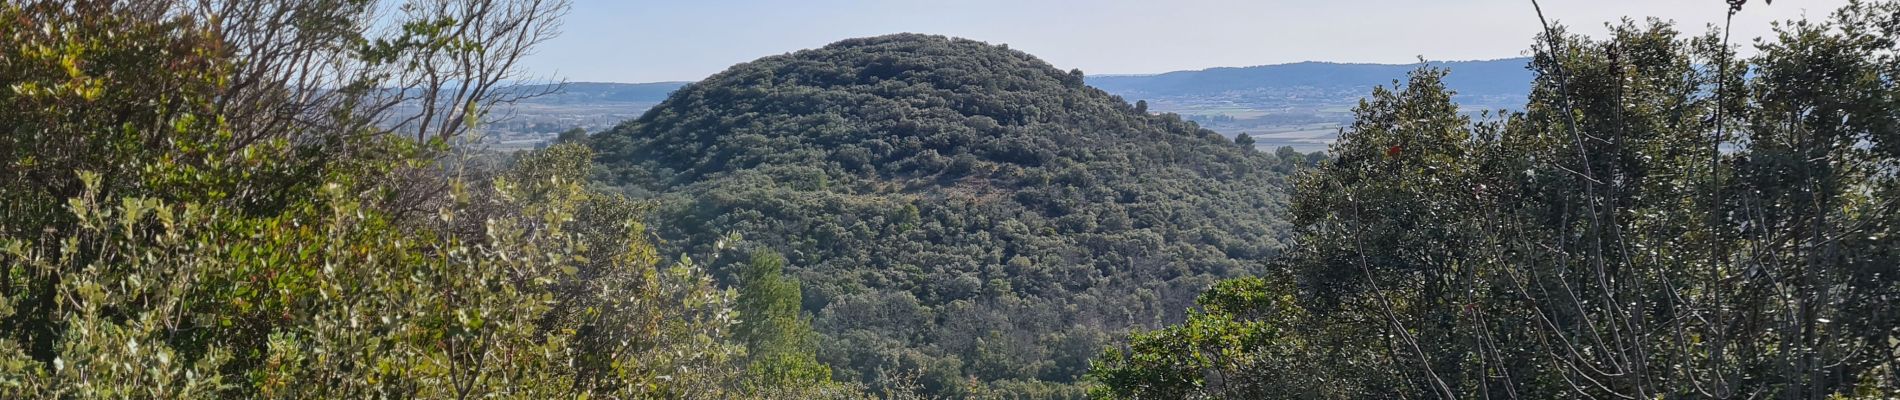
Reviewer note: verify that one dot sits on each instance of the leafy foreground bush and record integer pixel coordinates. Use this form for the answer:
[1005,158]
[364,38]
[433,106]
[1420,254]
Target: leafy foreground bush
[157,298]
[1663,221]
[164,238]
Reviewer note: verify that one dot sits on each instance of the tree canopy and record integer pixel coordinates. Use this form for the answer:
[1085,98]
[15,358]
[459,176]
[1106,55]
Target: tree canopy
[1666,219]
[190,211]
[274,199]
[953,207]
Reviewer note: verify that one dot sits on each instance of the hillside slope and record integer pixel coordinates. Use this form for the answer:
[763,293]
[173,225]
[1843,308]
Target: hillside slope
[952,207]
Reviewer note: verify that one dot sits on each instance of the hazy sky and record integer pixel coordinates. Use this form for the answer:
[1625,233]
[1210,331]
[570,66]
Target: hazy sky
[680,40]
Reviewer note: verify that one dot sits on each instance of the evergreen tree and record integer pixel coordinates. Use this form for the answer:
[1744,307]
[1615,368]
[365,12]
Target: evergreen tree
[782,349]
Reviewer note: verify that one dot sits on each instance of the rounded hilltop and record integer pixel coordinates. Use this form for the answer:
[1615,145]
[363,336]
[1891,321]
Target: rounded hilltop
[952,205]
[870,103]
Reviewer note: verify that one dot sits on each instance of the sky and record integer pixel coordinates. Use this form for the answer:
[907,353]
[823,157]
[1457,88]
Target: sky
[686,40]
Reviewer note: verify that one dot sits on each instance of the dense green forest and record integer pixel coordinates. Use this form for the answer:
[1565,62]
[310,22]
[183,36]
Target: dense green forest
[1666,219]
[279,199]
[953,207]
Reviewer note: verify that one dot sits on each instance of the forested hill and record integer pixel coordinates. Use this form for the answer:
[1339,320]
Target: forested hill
[953,207]
[1487,77]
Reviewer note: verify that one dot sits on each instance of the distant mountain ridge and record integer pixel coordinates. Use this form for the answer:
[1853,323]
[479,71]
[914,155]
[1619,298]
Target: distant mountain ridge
[1506,76]
[1503,77]
[1299,104]
[604,92]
